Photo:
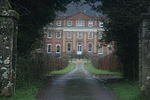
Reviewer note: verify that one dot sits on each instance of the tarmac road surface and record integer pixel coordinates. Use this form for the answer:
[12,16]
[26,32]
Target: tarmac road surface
[78,84]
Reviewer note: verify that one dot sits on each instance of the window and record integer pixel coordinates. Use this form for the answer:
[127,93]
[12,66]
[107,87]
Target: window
[80,22]
[79,35]
[69,23]
[58,35]
[69,35]
[79,48]
[49,35]
[101,24]
[49,48]
[51,23]
[100,35]
[69,47]
[58,22]
[90,47]
[90,35]
[58,48]
[90,24]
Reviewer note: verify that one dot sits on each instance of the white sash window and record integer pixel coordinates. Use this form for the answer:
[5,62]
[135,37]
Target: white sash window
[58,35]
[58,48]
[58,23]
[49,48]
[90,23]
[69,35]
[49,35]
[69,47]
[79,35]
[90,35]
[90,47]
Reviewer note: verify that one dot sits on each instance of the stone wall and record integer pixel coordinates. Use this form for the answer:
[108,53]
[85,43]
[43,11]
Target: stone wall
[8,48]
[144,54]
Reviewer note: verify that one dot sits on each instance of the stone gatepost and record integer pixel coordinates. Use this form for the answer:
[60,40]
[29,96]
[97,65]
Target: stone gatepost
[8,48]
[144,54]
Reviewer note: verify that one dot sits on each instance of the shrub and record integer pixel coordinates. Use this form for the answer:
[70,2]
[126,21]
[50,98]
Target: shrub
[36,66]
[30,68]
[56,63]
[108,62]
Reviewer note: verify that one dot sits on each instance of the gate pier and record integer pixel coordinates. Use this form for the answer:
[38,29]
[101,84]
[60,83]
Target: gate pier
[8,48]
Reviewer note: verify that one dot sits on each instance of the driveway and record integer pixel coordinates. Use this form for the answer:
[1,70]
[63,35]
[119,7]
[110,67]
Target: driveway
[79,84]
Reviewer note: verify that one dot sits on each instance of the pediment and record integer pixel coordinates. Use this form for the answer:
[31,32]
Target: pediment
[79,16]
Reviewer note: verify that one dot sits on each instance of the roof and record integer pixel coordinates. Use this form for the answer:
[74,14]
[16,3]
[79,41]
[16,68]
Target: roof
[83,14]
[74,7]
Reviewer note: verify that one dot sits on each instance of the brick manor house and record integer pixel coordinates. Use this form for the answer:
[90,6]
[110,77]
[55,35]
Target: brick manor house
[78,33]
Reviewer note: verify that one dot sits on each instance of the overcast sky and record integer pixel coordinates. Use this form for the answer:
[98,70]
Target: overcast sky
[73,8]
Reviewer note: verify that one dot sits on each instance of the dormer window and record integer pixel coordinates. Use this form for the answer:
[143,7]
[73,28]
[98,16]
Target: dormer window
[58,22]
[90,23]
[80,22]
[69,23]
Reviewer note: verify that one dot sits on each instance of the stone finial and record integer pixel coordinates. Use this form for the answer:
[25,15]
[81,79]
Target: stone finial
[4,5]
[5,9]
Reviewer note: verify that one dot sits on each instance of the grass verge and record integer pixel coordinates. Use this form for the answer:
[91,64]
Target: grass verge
[93,70]
[25,93]
[70,67]
[126,90]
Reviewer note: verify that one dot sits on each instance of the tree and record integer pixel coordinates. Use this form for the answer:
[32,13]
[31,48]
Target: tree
[34,14]
[123,28]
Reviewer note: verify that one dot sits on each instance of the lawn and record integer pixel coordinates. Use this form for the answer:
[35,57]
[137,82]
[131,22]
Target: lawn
[126,90]
[93,70]
[69,68]
[26,93]
[82,59]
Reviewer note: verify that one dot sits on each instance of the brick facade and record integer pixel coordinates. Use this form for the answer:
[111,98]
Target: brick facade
[80,33]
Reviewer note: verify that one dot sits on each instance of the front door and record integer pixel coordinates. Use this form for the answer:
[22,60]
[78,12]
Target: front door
[79,49]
